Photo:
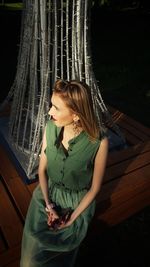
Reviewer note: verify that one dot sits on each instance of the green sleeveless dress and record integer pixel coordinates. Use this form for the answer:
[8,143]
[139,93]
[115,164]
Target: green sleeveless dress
[69,178]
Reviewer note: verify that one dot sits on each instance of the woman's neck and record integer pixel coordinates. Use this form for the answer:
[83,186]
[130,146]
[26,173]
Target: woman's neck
[69,133]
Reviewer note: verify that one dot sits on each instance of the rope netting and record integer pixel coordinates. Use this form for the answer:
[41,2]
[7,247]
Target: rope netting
[54,43]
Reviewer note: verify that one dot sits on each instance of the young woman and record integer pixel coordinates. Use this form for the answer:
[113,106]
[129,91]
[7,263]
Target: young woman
[71,169]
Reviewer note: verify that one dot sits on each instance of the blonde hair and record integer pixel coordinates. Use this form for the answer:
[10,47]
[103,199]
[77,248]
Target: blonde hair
[77,97]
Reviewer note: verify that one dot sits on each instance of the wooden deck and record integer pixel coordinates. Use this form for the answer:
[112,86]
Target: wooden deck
[125,189]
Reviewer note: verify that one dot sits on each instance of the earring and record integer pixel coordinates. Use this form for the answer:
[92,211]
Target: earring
[76,127]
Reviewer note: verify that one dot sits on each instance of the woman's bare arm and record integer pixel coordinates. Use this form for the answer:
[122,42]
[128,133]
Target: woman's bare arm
[99,169]
[42,171]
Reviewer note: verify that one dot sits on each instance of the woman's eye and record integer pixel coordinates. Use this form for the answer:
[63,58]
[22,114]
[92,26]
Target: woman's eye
[55,107]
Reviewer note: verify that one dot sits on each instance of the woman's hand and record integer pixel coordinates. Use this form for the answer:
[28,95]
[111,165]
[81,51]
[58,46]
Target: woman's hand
[65,224]
[52,215]
[58,221]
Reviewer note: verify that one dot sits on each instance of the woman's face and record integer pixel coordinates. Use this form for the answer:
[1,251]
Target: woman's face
[59,112]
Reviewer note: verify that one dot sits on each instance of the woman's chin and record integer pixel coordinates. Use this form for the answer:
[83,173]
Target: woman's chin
[56,123]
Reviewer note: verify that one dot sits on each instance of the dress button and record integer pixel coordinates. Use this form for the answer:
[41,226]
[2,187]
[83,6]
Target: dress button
[64,159]
[61,171]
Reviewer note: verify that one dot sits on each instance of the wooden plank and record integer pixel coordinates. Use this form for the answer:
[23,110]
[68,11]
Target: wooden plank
[6,166]
[9,220]
[121,212]
[134,131]
[32,186]
[130,138]
[19,193]
[10,256]
[126,166]
[138,125]
[118,114]
[132,134]
[118,198]
[127,153]
[14,184]
[121,189]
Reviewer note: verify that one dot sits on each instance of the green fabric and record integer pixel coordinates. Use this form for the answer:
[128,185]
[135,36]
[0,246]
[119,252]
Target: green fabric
[69,178]
[75,171]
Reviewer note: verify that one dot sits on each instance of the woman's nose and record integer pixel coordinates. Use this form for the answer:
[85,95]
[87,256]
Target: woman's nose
[51,111]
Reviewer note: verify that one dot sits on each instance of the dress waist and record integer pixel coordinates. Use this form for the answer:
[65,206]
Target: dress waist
[63,187]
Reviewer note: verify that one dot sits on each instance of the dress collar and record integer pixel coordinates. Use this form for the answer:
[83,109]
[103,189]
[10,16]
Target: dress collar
[71,141]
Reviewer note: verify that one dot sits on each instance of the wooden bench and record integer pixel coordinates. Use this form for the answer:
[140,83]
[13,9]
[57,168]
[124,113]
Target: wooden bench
[134,131]
[126,184]
[125,189]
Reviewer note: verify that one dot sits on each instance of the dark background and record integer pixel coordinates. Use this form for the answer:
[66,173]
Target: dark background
[121,59]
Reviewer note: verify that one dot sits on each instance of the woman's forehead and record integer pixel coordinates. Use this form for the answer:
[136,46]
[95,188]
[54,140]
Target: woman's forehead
[57,100]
